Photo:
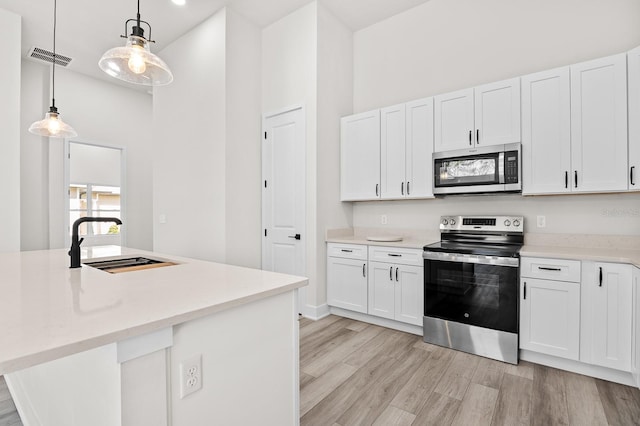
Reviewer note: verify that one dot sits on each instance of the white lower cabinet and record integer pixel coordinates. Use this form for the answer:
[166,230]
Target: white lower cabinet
[607,315]
[550,317]
[347,277]
[396,292]
[386,282]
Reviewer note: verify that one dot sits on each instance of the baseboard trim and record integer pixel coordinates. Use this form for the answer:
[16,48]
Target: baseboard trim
[383,322]
[596,371]
[315,312]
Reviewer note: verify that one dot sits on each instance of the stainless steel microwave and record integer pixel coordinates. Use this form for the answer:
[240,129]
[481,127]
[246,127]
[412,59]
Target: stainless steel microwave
[487,169]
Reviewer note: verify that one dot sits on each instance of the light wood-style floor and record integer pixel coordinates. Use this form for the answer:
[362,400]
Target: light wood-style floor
[8,414]
[353,373]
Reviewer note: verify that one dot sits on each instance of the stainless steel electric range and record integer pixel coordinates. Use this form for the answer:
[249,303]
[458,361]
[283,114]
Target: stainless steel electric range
[471,285]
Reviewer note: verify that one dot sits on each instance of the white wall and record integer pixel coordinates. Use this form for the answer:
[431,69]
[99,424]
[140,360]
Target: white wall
[335,99]
[445,45]
[243,178]
[289,77]
[189,167]
[10,122]
[101,113]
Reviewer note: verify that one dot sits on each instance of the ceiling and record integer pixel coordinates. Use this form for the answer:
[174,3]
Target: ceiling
[86,30]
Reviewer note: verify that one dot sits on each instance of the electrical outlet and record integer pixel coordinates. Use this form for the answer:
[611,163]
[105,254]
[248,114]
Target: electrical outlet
[162,218]
[541,221]
[190,375]
[383,219]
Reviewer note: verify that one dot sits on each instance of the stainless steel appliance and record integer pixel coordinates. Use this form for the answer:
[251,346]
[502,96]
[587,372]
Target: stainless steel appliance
[476,170]
[471,285]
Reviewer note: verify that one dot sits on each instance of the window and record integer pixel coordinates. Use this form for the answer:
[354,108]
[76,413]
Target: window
[104,202]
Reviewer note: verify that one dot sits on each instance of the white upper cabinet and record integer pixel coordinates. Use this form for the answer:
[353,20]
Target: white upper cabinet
[599,124]
[546,132]
[454,121]
[360,156]
[406,143]
[393,152]
[633,62]
[635,367]
[485,115]
[497,108]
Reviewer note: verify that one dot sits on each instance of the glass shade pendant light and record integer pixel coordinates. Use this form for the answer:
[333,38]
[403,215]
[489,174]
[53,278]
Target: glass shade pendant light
[52,125]
[134,62]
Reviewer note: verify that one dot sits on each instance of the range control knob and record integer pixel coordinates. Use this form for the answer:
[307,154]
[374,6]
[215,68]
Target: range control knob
[452,221]
[445,222]
[516,222]
[507,222]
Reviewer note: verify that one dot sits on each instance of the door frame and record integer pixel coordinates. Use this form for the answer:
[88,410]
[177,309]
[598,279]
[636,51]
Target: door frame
[123,189]
[302,292]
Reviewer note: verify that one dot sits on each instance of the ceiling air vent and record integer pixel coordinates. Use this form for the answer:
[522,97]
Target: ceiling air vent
[47,56]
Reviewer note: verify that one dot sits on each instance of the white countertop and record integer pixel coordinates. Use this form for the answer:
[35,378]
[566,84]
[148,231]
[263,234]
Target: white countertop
[597,254]
[416,239]
[405,243]
[48,310]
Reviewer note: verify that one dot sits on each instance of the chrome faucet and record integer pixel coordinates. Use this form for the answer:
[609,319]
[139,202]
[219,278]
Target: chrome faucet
[74,252]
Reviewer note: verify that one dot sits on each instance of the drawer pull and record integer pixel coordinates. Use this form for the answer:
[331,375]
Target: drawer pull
[544,268]
[394,255]
[347,251]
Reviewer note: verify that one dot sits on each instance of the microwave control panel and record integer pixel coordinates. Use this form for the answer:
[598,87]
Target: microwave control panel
[511,167]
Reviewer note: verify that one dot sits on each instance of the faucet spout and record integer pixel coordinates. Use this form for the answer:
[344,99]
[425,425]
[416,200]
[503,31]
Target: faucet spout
[74,251]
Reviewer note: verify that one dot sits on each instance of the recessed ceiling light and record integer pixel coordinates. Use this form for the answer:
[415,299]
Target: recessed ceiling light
[179,2]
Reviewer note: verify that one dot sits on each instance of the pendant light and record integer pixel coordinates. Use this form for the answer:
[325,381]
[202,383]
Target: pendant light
[134,62]
[52,125]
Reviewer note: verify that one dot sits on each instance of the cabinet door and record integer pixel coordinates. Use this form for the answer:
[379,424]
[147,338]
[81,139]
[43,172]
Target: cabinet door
[381,289]
[607,315]
[393,153]
[497,113]
[454,123]
[419,163]
[546,132]
[633,60]
[347,284]
[409,294]
[599,124]
[360,156]
[550,317]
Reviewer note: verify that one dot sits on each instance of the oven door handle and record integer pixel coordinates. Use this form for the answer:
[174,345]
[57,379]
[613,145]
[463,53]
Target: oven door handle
[512,262]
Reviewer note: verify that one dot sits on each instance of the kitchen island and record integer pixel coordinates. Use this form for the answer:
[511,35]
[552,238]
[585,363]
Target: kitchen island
[85,346]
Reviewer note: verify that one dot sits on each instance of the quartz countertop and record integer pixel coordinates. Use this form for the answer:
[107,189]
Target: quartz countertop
[597,254]
[48,311]
[410,239]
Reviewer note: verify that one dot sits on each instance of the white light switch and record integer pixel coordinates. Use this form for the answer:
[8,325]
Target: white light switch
[162,218]
[541,221]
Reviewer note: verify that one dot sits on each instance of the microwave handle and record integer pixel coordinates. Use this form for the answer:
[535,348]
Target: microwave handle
[501,167]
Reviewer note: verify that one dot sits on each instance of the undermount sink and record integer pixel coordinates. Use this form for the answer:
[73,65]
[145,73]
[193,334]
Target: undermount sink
[137,263]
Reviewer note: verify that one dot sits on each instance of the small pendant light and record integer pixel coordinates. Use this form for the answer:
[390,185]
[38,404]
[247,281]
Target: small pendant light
[134,62]
[52,125]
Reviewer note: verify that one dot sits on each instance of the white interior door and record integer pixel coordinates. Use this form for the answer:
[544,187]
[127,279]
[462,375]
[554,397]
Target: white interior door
[283,200]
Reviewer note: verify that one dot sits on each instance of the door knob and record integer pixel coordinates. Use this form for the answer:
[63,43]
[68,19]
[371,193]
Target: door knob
[297,236]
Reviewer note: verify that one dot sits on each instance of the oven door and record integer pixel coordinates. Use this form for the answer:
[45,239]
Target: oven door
[475,290]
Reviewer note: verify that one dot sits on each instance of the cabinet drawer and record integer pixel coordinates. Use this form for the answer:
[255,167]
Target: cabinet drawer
[550,269]
[347,251]
[399,256]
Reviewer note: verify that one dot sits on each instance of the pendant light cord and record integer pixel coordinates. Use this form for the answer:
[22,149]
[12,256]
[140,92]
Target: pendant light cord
[55,15]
